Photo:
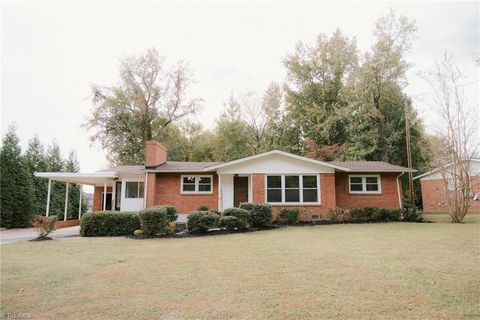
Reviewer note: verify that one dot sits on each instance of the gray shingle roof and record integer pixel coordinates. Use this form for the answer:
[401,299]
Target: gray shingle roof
[183,166]
[371,166]
[125,169]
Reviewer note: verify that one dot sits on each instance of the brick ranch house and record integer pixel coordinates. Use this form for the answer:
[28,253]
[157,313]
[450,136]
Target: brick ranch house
[279,178]
[433,189]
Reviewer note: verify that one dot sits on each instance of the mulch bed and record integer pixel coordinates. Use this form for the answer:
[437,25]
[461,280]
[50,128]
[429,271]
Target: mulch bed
[183,233]
[186,234]
[41,239]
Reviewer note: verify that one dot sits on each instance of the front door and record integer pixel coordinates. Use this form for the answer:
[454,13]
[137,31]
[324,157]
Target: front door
[240,190]
[108,205]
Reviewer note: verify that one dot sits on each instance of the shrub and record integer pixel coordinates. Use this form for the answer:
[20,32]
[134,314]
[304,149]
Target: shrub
[231,223]
[202,208]
[261,214]
[171,212]
[44,225]
[289,215]
[388,214]
[202,221]
[138,232]
[109,223]
[365,214]
[412,214]
[239,213]
[154,220]
[339,214]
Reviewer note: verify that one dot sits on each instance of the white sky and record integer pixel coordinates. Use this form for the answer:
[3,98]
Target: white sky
[53,52]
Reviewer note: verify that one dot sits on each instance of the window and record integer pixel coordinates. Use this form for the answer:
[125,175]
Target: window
[292,189]
[134,189]
[365,184]
[196,184]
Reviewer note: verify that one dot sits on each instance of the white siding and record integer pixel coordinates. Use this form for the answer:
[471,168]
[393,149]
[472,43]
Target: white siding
[474,171]
[275,163]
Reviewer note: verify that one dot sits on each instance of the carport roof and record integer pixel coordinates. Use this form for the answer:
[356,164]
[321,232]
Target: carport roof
[96,178]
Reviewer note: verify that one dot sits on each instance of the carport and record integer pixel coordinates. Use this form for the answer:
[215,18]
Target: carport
[94,179]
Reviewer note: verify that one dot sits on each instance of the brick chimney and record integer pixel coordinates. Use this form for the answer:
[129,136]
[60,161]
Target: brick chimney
[155,153]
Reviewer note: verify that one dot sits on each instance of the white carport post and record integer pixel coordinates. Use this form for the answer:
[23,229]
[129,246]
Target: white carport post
[80,202]
[48,196]
[104,194]
[66,204]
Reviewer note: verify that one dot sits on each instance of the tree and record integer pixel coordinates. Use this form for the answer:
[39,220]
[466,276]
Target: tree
[459,136]
[16,185]
[36,162]
[256,119]
[383,76]
[318,78]
[148,99]
[72,165]
[55,163]
[232,139]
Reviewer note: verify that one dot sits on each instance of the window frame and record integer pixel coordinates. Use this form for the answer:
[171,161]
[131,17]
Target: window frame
[364,183]
[282,188]
[197,183]
[138,182]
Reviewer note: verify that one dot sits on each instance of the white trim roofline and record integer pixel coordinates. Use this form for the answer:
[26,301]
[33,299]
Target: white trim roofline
[53,175]
[283,153]
[437,169]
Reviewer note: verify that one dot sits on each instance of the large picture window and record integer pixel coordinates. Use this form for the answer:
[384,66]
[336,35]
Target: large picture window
[196,184]
[134,189]
[365,184]
[292,189]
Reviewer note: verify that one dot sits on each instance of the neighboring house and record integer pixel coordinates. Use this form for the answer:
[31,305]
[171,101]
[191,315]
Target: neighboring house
[433,189]
[279,178]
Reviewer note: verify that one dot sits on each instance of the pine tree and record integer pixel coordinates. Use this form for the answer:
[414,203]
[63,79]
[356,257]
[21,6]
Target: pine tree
[15,183]
[35,162]
[55,163]
[72,165]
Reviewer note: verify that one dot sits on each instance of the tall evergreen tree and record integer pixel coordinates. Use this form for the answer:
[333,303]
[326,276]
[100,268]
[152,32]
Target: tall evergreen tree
[15,183]
[55,163]
[35,161]
[72,165]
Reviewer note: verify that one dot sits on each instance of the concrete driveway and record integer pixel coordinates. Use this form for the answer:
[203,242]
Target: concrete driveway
[14,235]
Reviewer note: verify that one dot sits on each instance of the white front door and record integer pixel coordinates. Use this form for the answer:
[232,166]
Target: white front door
[132,195]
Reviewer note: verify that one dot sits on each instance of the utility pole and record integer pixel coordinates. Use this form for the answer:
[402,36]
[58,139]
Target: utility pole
[406,105]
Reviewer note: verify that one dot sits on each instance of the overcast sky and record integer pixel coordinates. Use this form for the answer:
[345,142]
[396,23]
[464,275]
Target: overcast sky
[53,52]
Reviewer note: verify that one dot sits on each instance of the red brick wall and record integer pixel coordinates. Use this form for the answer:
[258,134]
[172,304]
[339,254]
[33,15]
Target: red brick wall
[258,188]
[97,198]
[433,195]
[151,189]
[387,199]
[167,191]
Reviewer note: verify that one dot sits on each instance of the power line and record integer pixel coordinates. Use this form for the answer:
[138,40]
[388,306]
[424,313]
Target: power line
[430,92]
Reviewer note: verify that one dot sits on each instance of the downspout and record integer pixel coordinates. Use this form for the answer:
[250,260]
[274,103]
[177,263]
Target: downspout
[398,190]
[145,191]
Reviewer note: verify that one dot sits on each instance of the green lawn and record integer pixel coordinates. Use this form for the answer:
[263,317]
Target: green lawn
[370,271]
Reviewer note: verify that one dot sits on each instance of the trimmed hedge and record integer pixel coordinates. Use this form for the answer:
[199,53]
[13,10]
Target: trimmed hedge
[202,208]
[109,223]
[261,213]
[171,212]
[202,221]
[288,215]
[376,214]
[239,213]
[232,223]
[154,220]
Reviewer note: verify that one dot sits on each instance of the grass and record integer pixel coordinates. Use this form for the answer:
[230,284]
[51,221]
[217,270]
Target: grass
[369,271]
